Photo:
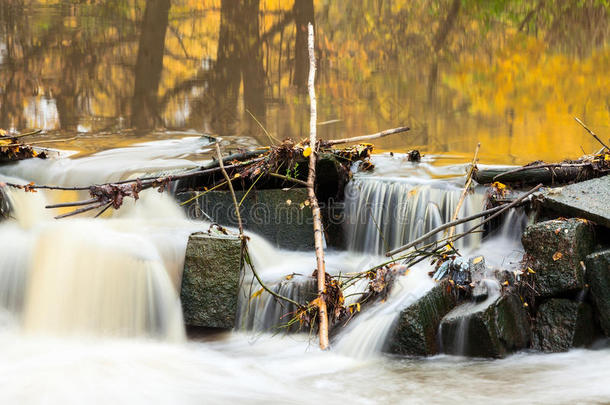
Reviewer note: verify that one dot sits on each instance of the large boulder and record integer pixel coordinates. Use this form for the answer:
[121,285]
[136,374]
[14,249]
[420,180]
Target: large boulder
[492,328]
[210,281]
[415,332]
[556,251]
[562,324]
[282,216]
[598,277]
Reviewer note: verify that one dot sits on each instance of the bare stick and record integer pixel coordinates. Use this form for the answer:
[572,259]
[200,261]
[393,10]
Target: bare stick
[367,137]
[297,181]
[73,204]
[592,134]
[466,189]
[81,210]
[311,179]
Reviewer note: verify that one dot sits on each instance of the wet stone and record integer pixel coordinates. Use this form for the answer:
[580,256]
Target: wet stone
[415,332]
[557,249]
[281,216]
[493,328]
[586,199]
[210,282]
[598,277]
[562,324]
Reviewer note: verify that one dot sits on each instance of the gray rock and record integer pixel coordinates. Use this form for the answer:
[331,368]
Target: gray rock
[492,328]
[210,281]
[586,199]
[562,324]
[280,216]
[415,332]
[557,249]
[598,277]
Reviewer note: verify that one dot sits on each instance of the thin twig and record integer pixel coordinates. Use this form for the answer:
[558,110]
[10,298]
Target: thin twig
[82,210]
[466,188]
[281,176]
[367,137]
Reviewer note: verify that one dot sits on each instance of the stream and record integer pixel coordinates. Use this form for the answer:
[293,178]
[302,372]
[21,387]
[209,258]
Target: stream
[89,307]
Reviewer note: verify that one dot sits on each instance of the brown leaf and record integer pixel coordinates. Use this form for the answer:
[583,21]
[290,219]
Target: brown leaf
[558,255]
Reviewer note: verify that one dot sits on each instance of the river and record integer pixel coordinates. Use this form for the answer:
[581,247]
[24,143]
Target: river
[89,307]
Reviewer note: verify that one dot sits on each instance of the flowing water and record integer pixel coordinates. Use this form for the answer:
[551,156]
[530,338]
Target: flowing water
[89,308]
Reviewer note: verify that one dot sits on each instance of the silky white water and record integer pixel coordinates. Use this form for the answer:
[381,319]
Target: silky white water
[90,314]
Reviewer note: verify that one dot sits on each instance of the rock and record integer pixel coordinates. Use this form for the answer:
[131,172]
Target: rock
[586,199]
[492,328]
[598,277]
[557,249]
[415,332]
[280,216]
[562,324]
[210,281]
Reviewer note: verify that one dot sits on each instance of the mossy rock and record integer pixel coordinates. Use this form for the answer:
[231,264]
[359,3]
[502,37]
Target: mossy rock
[415,332]
[598,277]
[557,249]
[493,328]
[562,324]
[210,281]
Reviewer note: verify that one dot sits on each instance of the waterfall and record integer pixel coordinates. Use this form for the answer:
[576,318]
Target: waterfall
[98,277]
[385,213]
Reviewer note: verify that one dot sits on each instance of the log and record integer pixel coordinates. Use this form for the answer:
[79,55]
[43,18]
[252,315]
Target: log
[546,174]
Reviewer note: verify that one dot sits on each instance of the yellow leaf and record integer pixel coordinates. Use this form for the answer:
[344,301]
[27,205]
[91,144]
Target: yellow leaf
[289,277]
[529,270]
[288,202]
[525,304]
[307,151]
[557,256]
[477,260]
[236,175]
[316,303]
[257,294]
[498,185]
[358,307]
[505,283]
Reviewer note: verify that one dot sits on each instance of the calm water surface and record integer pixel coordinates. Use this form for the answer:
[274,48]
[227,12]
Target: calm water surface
[510,74]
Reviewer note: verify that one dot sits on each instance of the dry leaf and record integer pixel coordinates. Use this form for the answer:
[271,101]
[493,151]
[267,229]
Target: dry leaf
[477,260]
[557,256]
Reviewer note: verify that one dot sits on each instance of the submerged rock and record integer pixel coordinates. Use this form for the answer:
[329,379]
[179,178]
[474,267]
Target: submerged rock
[492,328]
[415,332]
[556,251]
[598,277]
[210,281]
[562,324]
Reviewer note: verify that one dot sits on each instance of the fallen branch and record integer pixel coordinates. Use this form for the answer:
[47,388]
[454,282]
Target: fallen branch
[466,189]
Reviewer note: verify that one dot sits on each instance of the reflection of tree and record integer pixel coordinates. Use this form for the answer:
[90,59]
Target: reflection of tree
[239,58]
[304,14]
[149,63]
